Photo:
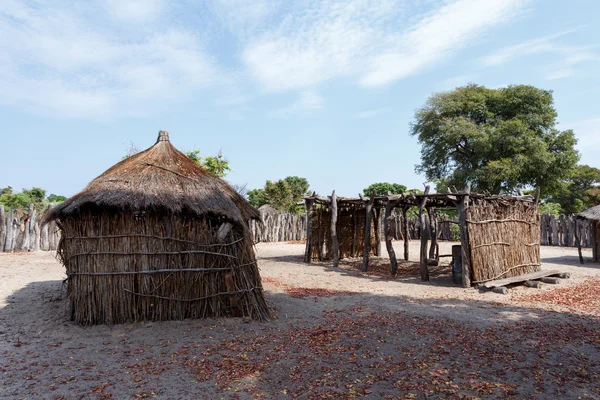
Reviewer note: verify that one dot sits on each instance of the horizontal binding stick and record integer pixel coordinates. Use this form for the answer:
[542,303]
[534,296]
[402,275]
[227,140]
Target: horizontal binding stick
[150,253]
[153,237]
[154,271]
[195,299]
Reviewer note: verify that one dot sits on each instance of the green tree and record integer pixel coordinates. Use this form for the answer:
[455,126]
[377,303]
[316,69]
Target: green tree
[284,194]
[580,191]
[496,139]
[548,207]
[24,198]
[383,188]
[54,198]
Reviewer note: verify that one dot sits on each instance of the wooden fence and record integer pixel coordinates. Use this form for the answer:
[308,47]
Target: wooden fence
[20,231]
[561,231]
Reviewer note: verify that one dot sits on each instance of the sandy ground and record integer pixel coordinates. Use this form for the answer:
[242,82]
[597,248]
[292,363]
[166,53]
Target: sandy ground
[337,333]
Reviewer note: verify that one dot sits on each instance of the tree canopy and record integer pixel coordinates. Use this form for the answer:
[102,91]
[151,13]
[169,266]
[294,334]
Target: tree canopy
[497,139]
[579,191]
[383,188]
[284,194]
[22,199]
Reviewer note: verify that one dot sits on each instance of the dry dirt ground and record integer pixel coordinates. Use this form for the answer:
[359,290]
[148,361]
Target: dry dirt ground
[337,333]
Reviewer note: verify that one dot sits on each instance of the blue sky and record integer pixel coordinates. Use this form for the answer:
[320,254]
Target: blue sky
[320,89]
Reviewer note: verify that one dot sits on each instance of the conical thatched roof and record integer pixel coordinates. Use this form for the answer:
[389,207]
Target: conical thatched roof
[591,214]
[160,179]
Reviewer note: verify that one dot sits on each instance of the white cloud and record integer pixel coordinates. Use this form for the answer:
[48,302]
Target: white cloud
[439,36]
[568,57]
[373,42]
[58,63]
[371,113]
[135,10]
[308,102]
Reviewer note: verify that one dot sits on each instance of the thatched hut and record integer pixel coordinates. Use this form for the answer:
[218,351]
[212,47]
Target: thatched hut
[593,215]
[157,237]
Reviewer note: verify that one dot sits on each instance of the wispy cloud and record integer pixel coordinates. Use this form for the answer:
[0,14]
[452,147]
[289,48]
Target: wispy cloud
[373,43]
[438,36]
[59,63]
[307,103]
[135,10]
[568,57]
[371,113]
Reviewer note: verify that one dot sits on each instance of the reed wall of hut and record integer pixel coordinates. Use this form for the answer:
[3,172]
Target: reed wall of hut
[136,266]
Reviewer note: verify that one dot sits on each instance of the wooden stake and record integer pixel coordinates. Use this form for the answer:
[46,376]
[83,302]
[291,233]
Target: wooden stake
[367,242]
[424,236]
[434,234]
[2,228]
[335,247]
[578,238]
[388,238]
[463,216]
[377,226]
[309,213]
[405,232]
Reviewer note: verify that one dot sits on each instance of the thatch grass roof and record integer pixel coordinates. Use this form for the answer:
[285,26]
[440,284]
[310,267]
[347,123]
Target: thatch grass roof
[591,214]
[160,179]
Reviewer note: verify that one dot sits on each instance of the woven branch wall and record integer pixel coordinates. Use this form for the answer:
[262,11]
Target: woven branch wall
[504,239]
[122,268]
[350,229]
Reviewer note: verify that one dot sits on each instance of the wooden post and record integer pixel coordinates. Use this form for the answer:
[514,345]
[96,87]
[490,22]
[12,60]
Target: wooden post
[424,236]
[8,243]
[377,226]
[463,216]
[434,232]
[335,248]
[578,238]
[405,232]
[2,228]
[309,213]
[388,238]
[367,242]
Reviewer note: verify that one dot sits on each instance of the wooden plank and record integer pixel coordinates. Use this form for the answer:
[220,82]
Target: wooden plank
[521,278]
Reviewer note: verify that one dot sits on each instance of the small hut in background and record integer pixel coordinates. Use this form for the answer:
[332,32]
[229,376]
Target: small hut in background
[500,235]
[592,215]
[157,237]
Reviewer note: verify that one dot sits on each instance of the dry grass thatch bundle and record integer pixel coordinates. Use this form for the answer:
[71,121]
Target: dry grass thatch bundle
[157,237]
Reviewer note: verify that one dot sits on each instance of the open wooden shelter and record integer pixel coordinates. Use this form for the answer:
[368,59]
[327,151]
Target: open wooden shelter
[592,215]
[157,237]
[500,235]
